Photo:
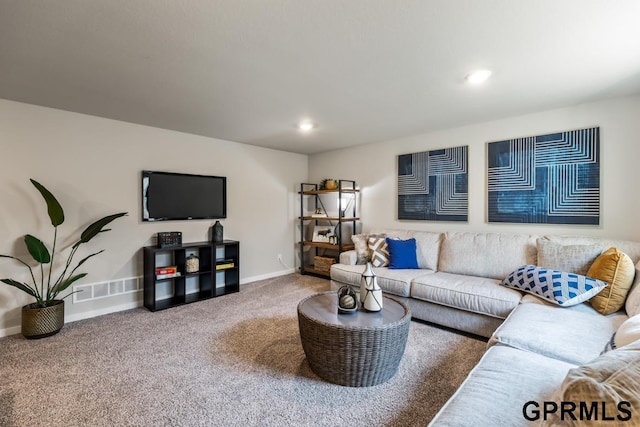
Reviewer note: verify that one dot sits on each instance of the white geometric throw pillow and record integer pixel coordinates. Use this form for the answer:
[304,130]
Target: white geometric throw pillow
[559,287]
[379,251]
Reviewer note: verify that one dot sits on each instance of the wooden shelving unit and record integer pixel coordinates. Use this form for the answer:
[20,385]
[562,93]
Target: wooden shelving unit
[346,215]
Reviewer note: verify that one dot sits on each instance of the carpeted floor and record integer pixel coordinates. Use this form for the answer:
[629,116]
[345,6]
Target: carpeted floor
[230,361]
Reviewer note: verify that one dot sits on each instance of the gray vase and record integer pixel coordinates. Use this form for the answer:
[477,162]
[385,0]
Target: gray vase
[217,232]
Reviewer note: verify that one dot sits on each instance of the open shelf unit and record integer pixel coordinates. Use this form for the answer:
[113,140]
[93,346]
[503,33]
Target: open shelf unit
[218,273]
[346,200]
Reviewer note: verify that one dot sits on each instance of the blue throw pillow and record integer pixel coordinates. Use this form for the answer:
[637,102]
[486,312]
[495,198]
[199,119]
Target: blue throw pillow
[559,287]
[402,253]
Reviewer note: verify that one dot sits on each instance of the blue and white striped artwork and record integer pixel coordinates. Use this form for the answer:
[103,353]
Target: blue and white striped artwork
[432,185]
[550,179]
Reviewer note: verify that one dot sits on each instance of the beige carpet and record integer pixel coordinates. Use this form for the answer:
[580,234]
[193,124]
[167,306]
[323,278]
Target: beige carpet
[230,361]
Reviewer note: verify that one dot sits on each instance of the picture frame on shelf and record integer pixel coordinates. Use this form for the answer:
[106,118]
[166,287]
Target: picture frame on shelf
[323,233]
[318,213]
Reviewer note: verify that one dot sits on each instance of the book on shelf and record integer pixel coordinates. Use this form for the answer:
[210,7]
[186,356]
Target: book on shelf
[167,276]
[162,271]
[223,264]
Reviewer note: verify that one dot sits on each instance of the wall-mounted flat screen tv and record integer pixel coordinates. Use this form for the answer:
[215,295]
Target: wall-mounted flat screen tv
[180,196]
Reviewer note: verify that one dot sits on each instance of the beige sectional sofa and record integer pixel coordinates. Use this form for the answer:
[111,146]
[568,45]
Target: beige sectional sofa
[533,344]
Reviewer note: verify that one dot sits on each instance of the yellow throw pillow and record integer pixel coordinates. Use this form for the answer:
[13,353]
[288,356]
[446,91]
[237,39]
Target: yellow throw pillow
[617,269]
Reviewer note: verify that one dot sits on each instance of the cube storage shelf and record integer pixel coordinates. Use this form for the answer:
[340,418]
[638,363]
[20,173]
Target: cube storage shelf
[186,287]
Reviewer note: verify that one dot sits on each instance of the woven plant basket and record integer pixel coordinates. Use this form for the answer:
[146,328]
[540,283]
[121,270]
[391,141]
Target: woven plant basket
[39,322]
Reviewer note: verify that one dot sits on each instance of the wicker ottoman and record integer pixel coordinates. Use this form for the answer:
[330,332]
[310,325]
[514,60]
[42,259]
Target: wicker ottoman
[357,350]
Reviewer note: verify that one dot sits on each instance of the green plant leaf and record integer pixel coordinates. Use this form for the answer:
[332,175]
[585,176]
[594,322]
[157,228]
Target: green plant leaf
[64,285]
[87,257]
[56,214]
[37,249]
[91,231]
[22,286]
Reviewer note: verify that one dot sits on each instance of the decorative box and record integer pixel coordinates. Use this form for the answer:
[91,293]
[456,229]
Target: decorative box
[323,263]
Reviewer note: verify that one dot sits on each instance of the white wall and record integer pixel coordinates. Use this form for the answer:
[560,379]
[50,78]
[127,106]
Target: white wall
[93,166]
[374,167]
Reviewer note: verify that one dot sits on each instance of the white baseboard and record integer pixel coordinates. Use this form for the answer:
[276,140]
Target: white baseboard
[100,312]
[79,316]
[128,306]
[267,276]
[9,331]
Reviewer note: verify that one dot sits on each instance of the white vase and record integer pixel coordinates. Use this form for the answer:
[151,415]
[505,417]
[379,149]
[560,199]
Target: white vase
[370,292]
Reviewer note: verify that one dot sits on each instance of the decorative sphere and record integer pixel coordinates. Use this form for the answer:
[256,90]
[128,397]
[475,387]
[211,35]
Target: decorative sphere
[347,301]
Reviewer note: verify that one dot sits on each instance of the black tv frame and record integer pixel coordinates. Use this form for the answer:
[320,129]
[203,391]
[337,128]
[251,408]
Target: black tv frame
[146,218]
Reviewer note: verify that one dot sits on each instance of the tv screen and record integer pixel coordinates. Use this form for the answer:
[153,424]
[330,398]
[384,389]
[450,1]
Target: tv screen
[178,196]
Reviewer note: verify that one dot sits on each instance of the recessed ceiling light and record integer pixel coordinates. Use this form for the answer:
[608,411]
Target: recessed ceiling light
[306,126]
[478,76]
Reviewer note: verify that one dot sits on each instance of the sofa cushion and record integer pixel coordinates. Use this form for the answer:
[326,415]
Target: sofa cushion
[492,255]
[379,251]
[402,253]
[499,386]
[396,282]
[571,258]
[628,247]
[574,334]
[617,269]
[361,246]
[632,305]
[427,244]
[559,287]
[609,379]
[469,293]
[427,248]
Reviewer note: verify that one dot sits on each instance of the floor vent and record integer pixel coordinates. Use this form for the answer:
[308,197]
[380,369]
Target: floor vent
[93,291]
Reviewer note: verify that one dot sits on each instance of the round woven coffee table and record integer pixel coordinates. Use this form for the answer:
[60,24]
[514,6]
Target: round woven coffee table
[357,350]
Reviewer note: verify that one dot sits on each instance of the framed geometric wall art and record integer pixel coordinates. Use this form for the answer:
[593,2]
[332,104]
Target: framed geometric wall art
[432,185]
[547,179]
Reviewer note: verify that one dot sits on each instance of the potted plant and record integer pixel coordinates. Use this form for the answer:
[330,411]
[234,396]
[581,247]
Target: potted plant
[45,316]
[328,184]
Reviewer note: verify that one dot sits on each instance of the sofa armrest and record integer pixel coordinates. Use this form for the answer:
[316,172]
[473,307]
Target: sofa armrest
[348,257]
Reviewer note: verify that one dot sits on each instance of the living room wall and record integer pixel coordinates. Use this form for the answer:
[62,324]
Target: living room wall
[374,167]
[93,167]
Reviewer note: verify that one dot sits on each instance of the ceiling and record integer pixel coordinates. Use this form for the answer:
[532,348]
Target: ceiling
[363,71]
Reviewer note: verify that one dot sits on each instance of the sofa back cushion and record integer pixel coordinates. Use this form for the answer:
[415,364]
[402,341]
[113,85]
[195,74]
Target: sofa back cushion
[628,247]
[427,244]
[427,248]
[632,305]
[572,258]
[492,255]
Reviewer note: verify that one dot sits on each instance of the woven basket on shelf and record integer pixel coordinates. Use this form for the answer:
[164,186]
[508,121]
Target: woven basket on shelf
[323,263]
